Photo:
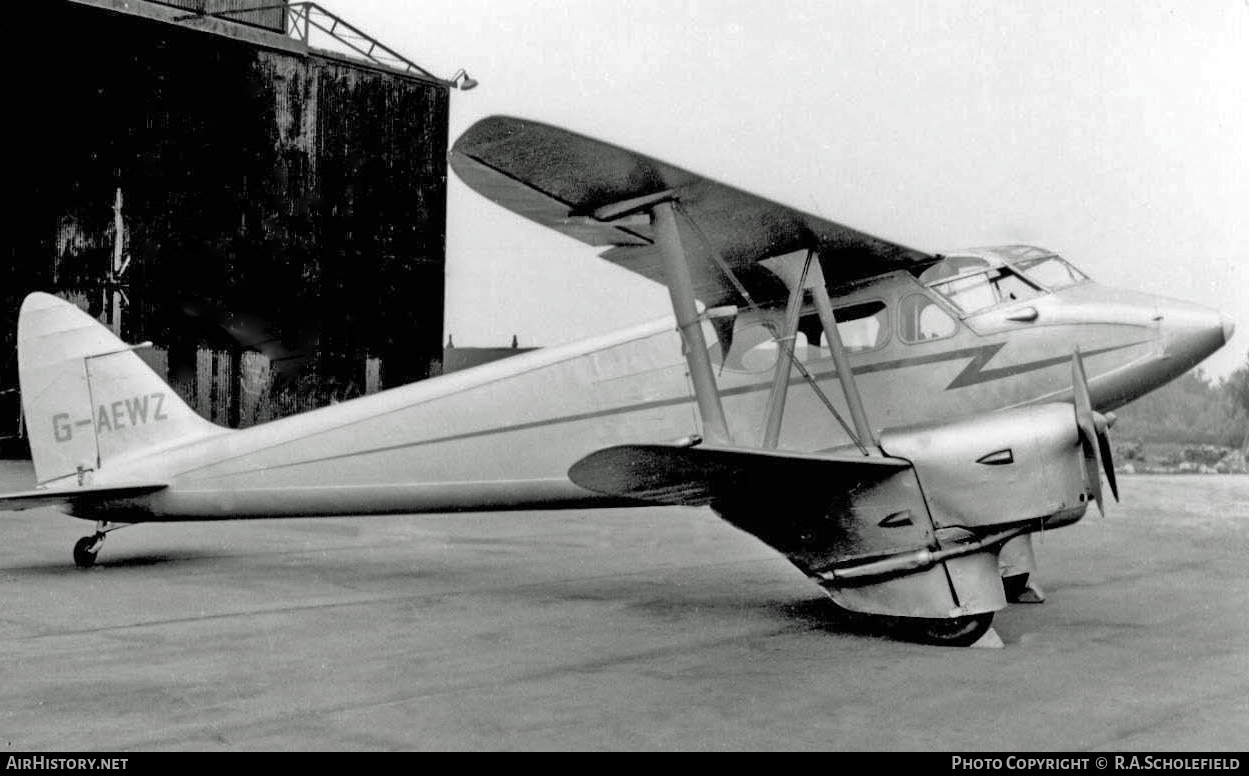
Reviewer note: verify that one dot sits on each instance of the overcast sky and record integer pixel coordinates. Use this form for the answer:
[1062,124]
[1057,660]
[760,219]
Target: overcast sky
[1116,135]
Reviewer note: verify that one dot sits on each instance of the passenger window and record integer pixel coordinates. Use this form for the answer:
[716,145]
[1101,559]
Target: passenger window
[922,319]
[754,349]
[862,327]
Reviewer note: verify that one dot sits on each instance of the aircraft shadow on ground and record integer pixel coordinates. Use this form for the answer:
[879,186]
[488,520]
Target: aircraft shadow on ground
[161,559]
[824,615]
[819,614]
[62,568]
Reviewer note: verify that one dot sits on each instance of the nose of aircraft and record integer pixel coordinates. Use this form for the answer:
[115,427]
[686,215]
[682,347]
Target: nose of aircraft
[1191,332]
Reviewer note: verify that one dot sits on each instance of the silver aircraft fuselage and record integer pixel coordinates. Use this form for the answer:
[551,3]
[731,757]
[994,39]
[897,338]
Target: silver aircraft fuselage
[503,435]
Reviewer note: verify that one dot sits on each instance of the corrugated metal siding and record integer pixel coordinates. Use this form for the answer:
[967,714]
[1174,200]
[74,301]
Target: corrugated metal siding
[300,199]
[237,11]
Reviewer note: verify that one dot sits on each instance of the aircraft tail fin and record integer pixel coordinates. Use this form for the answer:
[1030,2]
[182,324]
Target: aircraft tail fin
[87,396]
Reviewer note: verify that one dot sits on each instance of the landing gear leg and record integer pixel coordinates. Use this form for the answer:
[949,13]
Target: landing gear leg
[86,548]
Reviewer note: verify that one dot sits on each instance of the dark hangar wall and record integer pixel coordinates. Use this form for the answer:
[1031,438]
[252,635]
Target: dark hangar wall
[261,13]
[275,203]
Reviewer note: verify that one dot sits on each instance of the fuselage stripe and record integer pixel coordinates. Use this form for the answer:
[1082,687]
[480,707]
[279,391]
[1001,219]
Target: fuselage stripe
[973,374]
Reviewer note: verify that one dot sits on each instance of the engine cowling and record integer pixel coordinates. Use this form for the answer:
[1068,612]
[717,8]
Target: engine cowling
[1005,467]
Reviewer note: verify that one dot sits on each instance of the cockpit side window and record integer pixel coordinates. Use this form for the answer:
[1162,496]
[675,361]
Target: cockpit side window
[920,319]
[1051,272]
[974,293]
[968,293]
[950,267]
[1013,288]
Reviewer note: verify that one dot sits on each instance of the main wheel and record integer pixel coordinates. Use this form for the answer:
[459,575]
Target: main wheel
[84,552]
[952,632]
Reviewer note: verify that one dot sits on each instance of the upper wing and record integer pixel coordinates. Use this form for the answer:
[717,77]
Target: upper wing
[698,476]
[588,190]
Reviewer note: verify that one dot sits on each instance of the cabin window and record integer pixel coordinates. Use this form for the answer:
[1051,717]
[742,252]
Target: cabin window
[754,349]
[920,319]
[863,327]
[977,292]
[1051,272]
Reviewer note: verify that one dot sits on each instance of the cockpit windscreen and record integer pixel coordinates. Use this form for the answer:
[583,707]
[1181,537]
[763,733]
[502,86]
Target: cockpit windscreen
[1051,272]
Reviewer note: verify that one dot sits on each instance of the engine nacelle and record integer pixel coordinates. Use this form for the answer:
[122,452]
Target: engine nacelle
[1004,467]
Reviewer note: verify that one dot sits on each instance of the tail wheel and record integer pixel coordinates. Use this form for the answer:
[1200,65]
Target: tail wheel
[85,550]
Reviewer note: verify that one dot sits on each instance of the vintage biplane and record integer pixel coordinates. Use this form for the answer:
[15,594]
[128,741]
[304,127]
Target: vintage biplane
[896,423]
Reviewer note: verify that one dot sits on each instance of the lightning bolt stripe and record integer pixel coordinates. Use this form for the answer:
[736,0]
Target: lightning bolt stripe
[972,374]
[975,371]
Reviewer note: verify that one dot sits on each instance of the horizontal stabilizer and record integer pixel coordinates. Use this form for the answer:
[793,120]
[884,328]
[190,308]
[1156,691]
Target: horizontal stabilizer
[47,497]
[698,476]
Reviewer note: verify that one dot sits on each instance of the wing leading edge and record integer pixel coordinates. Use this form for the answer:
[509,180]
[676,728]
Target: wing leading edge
[596,192]
[698,476]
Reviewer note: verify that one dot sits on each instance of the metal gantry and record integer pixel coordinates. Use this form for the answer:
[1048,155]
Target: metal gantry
[302,18]
[305,20]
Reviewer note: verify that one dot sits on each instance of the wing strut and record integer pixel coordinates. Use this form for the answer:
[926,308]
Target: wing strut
[809,276]
[824,308]
[815,386]
[714,253]
[689,322]
[785,358]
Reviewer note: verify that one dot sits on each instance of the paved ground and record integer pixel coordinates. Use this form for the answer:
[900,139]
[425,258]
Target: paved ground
[654,629]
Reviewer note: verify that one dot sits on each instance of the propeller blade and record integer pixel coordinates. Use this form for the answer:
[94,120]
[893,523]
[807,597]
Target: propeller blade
[1087,427]
[1108,463]
[1092,470]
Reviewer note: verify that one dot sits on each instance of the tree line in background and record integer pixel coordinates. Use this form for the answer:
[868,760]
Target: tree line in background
[1193,409]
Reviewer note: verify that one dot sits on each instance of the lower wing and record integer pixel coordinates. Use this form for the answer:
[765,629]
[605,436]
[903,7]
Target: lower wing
[698,476]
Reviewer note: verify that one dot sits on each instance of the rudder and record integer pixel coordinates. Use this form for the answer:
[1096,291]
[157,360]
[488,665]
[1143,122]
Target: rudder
[87,396]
